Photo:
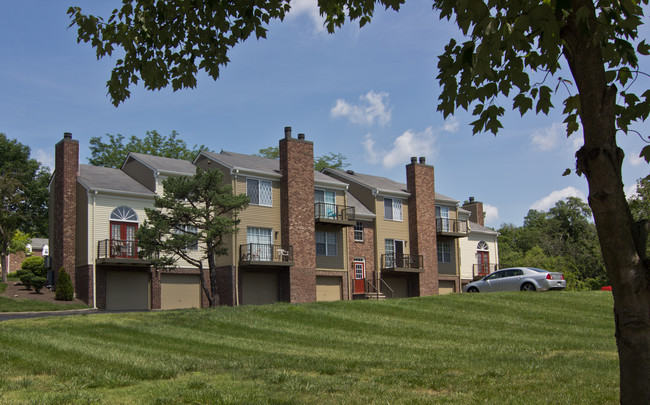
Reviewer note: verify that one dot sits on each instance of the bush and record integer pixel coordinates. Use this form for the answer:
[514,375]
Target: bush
[64,290]
[26,279]
[13,274]
[34,264]
[38,283]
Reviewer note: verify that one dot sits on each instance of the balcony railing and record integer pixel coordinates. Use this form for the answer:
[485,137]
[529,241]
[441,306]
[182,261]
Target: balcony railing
[334,214]
[402,263]
[117,249]
[264,254]
[481,270]
[451,226]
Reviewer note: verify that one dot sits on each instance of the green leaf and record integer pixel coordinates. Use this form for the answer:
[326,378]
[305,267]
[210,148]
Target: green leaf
[645,153]
[643,48]
[566,172]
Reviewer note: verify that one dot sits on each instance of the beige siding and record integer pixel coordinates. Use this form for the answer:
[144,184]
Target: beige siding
[468,255]
[363,194]
[83,245]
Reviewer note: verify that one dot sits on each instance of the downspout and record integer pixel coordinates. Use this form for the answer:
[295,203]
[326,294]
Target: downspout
[235,240]
[94,252]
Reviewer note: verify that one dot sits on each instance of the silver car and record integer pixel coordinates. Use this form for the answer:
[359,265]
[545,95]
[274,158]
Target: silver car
[518,279]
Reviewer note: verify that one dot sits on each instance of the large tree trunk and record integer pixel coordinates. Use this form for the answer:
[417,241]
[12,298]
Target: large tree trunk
[600,160]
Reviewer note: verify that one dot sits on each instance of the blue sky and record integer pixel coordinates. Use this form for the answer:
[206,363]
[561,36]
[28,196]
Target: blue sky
[367,93]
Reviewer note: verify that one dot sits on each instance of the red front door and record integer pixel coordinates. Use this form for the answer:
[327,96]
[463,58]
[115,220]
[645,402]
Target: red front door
[483,263]
[123,239]
[359,278]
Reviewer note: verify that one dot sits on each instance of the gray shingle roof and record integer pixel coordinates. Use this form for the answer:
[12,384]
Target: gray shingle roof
[109,179]
[163,164]
[374,182]
[359,209]
[234,160]
[474,227]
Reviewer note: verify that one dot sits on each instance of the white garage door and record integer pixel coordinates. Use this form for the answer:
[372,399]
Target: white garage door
[446,287]
[128,290]
[259,288]
[180,291]
[399,286]
[328,288]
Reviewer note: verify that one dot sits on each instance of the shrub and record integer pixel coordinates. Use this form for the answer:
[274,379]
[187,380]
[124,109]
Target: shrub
[26,279]
[64,291]
[34,264]
[13,274]
[38,283]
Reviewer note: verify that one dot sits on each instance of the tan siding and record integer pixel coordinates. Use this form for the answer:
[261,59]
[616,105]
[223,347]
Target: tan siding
[390,229]
[260,216]
[83,245]
[364,195]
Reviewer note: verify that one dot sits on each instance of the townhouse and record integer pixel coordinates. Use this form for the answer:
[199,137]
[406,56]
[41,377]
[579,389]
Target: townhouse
[305,236]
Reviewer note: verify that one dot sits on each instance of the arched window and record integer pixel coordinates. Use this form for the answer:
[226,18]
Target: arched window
[482,245]
[124,214]
[483,259]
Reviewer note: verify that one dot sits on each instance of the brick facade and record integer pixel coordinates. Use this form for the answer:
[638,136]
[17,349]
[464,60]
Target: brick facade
[422,219]
[297,212]
[365,249]
[475,209]
[64,206]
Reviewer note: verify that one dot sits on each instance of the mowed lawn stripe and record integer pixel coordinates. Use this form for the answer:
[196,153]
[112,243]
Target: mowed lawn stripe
[555,347]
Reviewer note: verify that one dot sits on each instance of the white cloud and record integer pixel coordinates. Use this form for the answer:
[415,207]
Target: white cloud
[309,8]
[630,191]
[491,215]
[549,138]
[636,160]
[373,106]
[45,158]
[557,195]
[404,147]
[369,146]
[451,125]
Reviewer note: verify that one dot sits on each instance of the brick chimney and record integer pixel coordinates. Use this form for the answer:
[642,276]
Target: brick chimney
[63,202]
[297,210]
[475,209]
[422,219]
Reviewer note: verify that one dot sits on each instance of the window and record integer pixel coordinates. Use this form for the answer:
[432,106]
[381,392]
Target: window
[358,232]
[444,252]
[443,214]
[482,245]
[191,230]
[259,192]
[259,243]
[392,209]
[325,243]
[124,214]
[394,249]
[325,203]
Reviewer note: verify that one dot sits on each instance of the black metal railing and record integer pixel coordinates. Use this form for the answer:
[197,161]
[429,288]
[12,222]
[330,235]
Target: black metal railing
[333,212]
[392,261]
[259,252]
[445,225]
[483,269]
[117,249]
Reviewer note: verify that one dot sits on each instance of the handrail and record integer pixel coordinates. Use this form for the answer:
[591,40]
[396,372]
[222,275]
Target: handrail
[392,293]
[483,269]
[262,252]
[451,225]
[329,211]
[117,249]
[392,260]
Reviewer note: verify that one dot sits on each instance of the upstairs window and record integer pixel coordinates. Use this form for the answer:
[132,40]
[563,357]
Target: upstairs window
[259,192]
[191,230]
[124,214]
[358,232]
[444,252]
[393,209]
[325,243]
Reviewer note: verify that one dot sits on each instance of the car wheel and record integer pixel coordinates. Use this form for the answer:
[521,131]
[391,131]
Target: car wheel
[472,290]
[528,287]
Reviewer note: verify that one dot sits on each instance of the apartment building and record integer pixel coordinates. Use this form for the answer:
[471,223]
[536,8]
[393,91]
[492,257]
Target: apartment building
[305,236]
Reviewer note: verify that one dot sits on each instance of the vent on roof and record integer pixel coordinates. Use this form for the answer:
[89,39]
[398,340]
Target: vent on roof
[350,172]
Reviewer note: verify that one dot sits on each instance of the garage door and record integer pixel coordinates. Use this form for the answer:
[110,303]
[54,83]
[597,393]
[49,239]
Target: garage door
[399,286]
[446,287]
[328,288]
[128,290]
[259,288]
[180,291]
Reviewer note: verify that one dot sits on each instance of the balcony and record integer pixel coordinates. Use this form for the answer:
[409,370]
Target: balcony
[259,254]
[402,263]
[334,214]
[451,227]
[119,251]
[482,269]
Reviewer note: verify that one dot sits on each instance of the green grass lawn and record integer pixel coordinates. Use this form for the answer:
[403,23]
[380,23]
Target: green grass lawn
[8,304]
[555,347]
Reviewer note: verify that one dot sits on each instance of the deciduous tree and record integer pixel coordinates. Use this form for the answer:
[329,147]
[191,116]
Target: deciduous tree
[190,222]
[506,42]
[331,160]
[113,152]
